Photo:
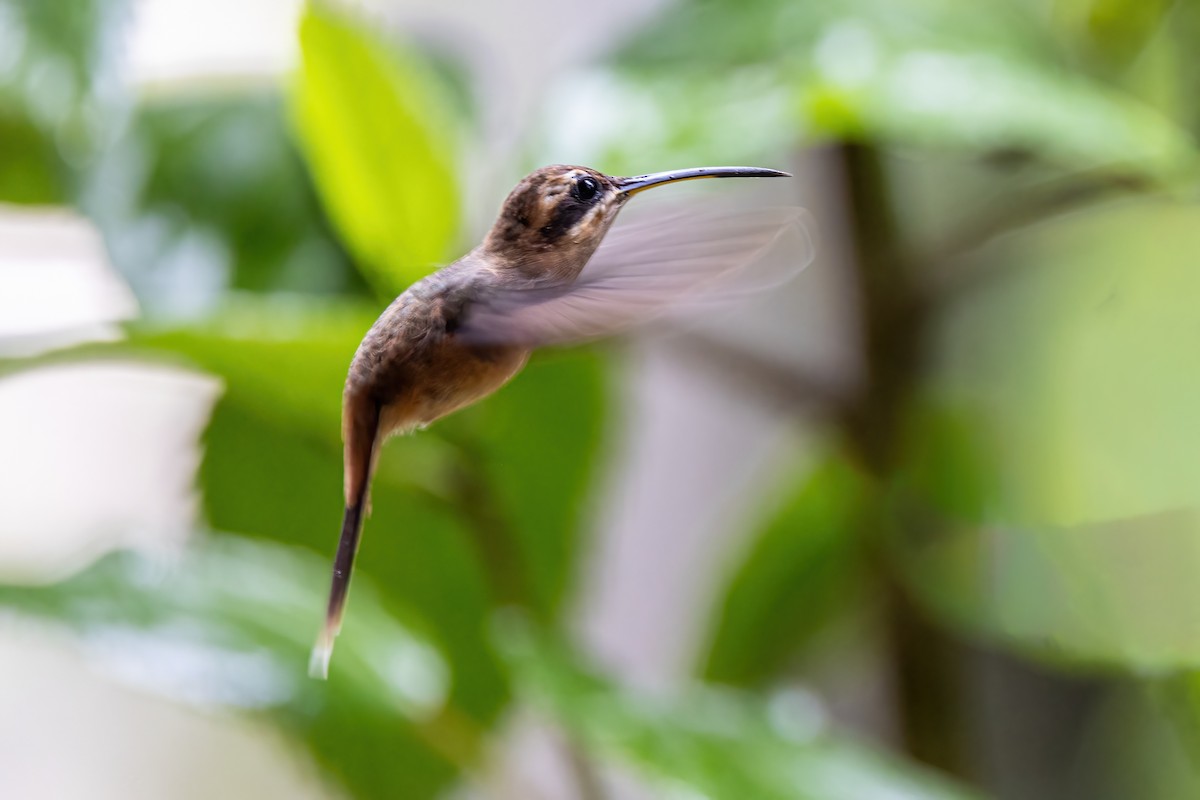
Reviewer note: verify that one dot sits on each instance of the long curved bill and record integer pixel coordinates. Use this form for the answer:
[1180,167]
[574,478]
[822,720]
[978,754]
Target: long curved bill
[631,186]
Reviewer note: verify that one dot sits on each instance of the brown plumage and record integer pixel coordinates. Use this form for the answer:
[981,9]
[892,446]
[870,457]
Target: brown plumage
[461,333]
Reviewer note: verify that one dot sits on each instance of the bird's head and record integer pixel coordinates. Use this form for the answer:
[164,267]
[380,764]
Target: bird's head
[556,217]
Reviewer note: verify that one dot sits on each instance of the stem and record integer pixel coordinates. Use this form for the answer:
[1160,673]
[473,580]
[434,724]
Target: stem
[887,301]
[785,386]
[927,664]
[490,532]
[455,736]
[587,780]
[1046,201]
[500,551]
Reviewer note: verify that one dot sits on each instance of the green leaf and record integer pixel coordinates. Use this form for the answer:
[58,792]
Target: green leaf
[1054,465]
[221,196]
[984,102]
[803,568]
[713,743]
[1180,699]
[1112,33]
[282,357]
[1075,370]
[717,36]
[1119,594]
[714,79]
[230,624]
[29,165]
[378,136]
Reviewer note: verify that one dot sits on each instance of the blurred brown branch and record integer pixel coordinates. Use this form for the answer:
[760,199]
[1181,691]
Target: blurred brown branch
[953,278]
[782,385]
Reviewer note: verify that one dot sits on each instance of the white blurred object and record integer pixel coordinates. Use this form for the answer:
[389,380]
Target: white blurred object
[97,455]
[56,286]
[175,41]
[67,732]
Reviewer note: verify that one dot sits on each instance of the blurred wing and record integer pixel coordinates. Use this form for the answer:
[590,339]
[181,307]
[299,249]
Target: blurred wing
[645,268]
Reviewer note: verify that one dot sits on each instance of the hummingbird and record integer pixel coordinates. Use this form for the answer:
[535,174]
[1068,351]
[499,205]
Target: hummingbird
[546,273]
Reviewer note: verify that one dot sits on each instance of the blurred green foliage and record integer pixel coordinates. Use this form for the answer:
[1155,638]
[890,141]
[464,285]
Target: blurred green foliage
[228,167]
[56,93]
[714,741]
[379,137]
[806,566]
[1020,465]
[233,618]
[1105,315]
[967,77]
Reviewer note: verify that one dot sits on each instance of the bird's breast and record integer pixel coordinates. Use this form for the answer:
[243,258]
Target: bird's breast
[448,377]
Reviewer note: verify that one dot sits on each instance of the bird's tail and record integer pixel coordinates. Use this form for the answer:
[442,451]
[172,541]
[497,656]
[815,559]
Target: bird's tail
[360,430]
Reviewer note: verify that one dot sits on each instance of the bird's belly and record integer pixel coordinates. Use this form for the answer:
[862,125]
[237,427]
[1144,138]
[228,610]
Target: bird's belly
[451,379]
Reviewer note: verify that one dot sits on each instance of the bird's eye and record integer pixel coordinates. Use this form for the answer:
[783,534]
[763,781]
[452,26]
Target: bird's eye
[586,188]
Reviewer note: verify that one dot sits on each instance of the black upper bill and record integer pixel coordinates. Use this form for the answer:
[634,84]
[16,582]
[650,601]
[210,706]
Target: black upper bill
[639,182]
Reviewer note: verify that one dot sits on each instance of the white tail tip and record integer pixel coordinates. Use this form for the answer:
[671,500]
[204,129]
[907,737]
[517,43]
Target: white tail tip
[318,662]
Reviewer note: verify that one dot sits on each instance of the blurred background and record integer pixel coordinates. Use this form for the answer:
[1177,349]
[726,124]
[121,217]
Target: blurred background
[920,524]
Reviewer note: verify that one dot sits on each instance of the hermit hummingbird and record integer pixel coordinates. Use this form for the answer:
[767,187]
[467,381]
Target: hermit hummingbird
[541,276]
